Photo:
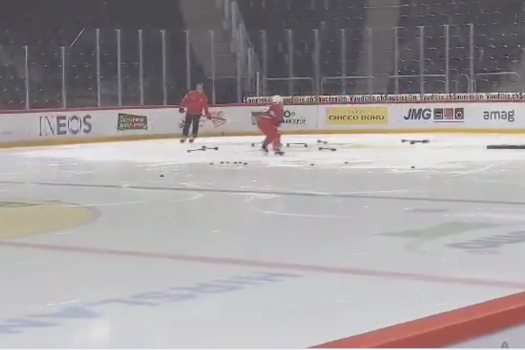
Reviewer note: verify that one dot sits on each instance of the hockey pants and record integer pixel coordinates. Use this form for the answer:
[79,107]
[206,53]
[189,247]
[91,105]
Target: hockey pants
[193,121]
[270,130]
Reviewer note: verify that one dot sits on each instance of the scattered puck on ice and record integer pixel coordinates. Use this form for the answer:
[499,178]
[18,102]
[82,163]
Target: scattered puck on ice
[161,175]
[312,164]
[413,167]
[222,162]
[346,162]
[211,163]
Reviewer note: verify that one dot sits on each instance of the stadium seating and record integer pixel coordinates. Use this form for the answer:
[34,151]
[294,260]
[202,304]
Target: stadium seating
[487,61]
[44,26]
[325,46]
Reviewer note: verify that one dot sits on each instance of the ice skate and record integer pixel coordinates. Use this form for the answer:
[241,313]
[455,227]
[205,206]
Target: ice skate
[182,140]
[278,152]
[264,149]
[191,140]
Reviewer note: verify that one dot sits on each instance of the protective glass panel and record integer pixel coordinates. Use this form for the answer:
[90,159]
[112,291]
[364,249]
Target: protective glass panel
[109,68]
[12,77]
[81,85]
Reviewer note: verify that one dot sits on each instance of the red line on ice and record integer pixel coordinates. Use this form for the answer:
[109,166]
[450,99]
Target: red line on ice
[270,265]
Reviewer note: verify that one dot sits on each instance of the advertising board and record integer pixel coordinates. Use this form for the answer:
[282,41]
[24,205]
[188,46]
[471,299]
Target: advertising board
[402,115]
[500,116]
[356,115]
[14,127]
[430,115]
[394,98]
[296,118]
[132,123]
[52,125]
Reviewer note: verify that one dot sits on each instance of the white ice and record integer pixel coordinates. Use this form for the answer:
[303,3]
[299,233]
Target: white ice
[360,151]
[167,221]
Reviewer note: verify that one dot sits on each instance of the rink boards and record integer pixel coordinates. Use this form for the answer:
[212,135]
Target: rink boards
[22,128]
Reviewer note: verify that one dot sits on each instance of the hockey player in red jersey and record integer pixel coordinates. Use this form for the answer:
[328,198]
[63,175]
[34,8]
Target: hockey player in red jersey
[195,102]
[268,122]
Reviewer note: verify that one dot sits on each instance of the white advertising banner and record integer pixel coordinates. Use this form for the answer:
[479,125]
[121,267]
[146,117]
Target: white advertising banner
[237,120]
[102,123]
[352,117]
[14,127]
[497,115]
[457,116]
[430,116]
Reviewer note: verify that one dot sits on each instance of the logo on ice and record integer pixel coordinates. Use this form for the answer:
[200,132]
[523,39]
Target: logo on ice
[341,116]
[490,242]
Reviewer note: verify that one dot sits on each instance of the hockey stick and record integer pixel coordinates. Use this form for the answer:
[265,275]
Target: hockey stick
[303,144]
[415,141]
[196,149]
[202,149]
[327,149]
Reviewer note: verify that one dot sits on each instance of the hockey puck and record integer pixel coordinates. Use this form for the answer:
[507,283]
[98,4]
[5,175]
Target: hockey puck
[413,167]
[161,175]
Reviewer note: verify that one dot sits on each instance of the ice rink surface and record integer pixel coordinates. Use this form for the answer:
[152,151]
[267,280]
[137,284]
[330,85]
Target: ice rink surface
[141,244]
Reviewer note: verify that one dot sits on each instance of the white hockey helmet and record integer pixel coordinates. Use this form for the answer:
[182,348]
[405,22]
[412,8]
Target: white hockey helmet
[277,99]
